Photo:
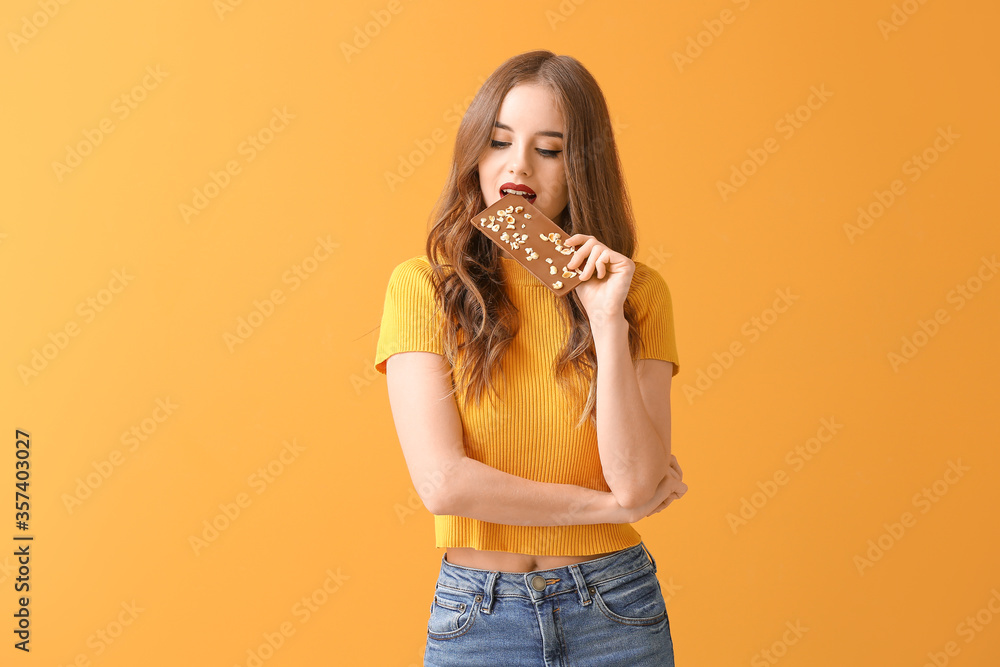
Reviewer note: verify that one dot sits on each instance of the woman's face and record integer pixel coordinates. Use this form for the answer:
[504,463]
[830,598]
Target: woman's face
[526,149]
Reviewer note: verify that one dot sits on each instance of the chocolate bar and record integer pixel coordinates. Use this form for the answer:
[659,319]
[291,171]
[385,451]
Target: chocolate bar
[529,237]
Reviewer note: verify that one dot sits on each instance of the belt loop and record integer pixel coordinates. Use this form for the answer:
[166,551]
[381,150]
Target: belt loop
[488,593]
[651,559]
[581,584]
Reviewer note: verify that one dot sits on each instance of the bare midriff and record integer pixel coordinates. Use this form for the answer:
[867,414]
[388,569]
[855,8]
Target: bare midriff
[504,561]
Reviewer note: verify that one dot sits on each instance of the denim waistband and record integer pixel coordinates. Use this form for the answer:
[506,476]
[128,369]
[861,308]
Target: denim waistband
[578,576]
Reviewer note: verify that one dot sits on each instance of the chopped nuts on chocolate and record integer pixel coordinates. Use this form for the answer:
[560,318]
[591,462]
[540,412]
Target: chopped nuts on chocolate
[512,240]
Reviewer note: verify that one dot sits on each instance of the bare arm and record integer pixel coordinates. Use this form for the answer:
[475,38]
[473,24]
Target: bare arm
[479,491]
[449,482]
[634,449]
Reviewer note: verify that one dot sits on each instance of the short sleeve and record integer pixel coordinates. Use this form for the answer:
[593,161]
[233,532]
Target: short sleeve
[410,313]
[655,313]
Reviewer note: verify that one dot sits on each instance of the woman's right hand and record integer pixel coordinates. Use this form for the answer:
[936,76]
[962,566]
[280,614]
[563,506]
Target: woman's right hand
[670,489]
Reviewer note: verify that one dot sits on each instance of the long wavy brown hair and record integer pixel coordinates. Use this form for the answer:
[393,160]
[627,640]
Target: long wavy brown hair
[479,320]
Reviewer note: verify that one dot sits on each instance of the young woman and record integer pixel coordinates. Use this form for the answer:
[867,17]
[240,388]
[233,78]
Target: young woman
[536,428]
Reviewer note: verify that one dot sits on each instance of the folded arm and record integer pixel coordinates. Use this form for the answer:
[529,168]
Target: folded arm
[449,482]
[633,415]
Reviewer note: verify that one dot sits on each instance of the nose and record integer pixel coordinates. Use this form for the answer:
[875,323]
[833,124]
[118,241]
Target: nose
[518,161]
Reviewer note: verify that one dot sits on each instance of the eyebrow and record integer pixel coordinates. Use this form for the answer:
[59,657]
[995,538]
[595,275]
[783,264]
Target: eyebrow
[544,133]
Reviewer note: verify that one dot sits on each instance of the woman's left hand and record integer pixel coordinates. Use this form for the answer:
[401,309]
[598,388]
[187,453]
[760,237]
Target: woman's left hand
[606,276]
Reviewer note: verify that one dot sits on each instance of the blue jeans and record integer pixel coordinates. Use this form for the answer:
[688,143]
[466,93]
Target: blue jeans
[607,611]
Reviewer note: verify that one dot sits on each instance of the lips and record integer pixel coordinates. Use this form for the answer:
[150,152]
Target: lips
[530,194]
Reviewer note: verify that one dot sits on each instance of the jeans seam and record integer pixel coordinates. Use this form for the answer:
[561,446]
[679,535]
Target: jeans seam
[619,576]
[443,636]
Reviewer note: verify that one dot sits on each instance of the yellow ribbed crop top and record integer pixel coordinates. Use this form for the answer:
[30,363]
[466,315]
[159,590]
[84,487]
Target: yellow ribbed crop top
[531,431]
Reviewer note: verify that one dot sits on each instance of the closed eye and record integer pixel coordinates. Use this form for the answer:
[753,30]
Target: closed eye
[543,151]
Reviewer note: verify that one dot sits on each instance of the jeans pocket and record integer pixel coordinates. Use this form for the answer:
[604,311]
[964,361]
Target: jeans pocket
[632,600]
[453,611]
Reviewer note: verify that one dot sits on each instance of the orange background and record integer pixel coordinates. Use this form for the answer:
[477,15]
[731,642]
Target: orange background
[340,510]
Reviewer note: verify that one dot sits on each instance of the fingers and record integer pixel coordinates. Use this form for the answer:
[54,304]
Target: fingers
[678,491]
[664,505]
[668,490]
[602,264]
[588,268]
[581,252]
[674,494]
[585,253]
[676,466]
[674,469]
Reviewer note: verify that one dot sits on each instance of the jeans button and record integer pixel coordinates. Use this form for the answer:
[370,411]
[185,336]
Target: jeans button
[538,582]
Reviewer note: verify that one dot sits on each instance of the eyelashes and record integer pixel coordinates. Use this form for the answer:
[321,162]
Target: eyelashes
[543,151]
